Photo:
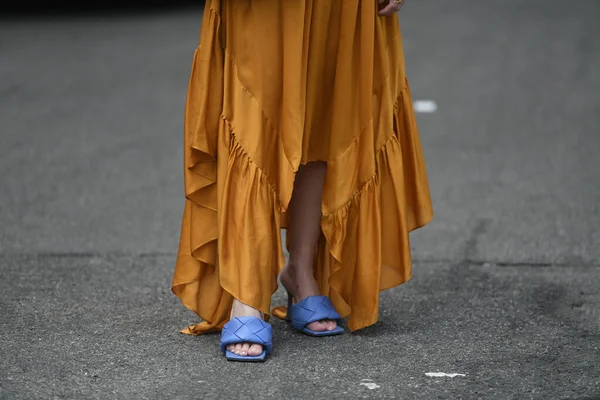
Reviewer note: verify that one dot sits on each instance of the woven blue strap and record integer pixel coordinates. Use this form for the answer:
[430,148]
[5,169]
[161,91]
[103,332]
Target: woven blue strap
[247,329]
[311,309]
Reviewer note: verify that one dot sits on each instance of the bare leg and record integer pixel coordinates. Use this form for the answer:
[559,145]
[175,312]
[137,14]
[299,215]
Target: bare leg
[303,235]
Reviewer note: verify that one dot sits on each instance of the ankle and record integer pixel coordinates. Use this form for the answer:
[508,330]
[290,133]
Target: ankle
[294,273]
[300,282]
[239,309]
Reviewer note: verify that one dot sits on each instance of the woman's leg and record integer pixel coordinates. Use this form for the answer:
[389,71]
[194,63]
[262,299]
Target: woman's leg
[303,234]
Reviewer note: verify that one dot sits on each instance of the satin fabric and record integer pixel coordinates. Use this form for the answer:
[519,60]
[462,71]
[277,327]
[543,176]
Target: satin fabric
[273,85]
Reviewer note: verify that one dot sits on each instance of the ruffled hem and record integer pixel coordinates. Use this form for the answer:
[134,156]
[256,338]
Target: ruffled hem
[365,246]
[230,242]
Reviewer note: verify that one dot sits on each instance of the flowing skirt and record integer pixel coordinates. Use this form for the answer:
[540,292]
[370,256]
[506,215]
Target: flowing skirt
[274,85]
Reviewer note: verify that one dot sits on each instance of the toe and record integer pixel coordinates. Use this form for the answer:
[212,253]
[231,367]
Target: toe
[231,348]
[331,325]
[317,326]
[327,324]
[245,348]
[255,350]
[238,349]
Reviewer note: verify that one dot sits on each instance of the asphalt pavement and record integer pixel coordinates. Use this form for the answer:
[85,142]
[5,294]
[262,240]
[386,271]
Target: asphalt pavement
[505,298]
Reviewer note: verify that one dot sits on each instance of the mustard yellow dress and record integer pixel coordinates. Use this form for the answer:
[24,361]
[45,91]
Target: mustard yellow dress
[275,84]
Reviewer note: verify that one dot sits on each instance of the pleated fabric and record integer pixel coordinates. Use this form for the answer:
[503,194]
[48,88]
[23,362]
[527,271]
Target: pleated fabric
[276,84]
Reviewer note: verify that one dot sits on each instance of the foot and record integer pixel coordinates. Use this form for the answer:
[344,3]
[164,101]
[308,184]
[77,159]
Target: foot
[239,309]
[302,285]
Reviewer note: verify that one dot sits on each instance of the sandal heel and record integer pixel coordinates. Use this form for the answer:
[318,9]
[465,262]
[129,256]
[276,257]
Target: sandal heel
[288,315]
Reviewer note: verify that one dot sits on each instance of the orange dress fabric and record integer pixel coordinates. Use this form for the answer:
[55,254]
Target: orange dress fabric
[275,84]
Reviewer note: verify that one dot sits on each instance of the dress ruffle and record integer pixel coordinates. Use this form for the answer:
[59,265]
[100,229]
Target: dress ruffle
[238,188]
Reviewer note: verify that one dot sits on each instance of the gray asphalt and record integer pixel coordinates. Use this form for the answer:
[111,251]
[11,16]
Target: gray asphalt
[506,286]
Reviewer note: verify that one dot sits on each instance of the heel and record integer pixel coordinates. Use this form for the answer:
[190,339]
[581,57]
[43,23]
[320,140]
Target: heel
[288,315]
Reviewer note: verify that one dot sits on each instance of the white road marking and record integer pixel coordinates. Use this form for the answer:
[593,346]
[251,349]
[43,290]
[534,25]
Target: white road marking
[425,106]
[370,384]
[443,374]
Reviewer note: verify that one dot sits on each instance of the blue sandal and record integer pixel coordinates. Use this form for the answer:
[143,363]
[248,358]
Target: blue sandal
[246,329]
[311,309]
